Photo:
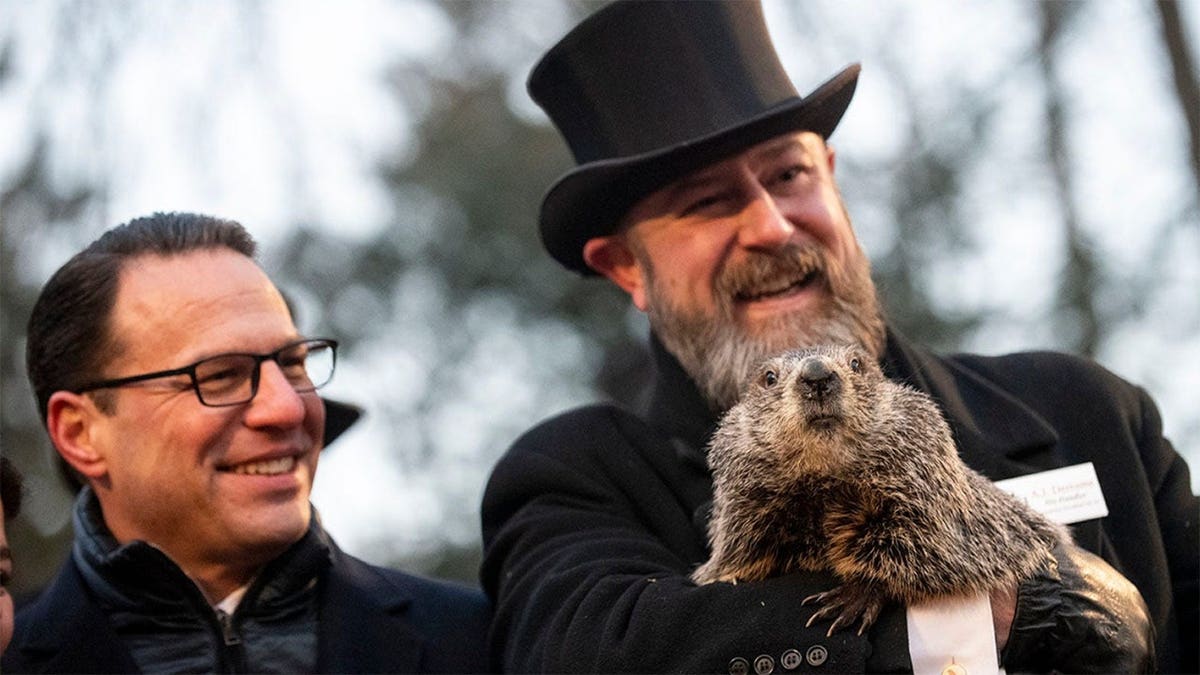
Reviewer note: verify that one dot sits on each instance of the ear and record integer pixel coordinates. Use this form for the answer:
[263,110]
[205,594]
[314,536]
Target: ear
[612,257]
[830,157]
[73,421]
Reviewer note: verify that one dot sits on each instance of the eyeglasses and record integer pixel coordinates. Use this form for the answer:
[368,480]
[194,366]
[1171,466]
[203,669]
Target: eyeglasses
[232,379]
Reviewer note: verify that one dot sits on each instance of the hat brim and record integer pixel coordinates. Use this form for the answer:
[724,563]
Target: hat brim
[590,200]
[339,416]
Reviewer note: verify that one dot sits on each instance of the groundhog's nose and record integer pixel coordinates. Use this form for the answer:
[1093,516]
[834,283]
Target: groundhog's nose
[815,370]
[816,378]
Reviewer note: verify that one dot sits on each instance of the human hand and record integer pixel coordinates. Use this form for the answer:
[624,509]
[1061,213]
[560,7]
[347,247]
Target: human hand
[1079,616]
[1004,608]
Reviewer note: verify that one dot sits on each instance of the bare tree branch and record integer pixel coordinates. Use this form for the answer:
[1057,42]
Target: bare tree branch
[1187,88]
[1080,277]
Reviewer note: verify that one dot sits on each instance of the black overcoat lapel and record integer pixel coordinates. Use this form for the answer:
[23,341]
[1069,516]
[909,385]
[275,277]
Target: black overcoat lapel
[70,634]
[996,434]
[363,624]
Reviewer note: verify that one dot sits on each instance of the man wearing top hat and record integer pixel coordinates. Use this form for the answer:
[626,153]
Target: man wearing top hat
[704,189]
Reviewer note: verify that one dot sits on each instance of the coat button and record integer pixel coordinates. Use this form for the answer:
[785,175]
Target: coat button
[816,655]
[764,665]
[739,666]
[954,669]
[791,659]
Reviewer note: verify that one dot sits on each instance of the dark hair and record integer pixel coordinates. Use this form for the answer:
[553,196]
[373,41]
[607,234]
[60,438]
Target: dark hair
[68,341]
[10,488]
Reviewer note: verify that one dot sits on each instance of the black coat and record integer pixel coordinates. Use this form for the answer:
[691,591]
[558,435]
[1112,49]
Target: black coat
[594,519]
[372,620]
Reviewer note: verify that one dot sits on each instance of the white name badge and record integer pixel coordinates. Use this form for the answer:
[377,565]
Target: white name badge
[1067,495]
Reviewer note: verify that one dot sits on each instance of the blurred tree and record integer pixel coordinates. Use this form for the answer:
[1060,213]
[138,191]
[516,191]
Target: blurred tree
[30,208]
[1077,315]
[923,196]
[1183,70]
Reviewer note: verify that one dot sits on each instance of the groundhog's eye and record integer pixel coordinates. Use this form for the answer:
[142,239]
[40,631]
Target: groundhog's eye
[855,365]
[769,378]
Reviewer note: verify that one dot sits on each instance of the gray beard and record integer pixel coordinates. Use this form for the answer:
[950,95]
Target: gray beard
[720,355]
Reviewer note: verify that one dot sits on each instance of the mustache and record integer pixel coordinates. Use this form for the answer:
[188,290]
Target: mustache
[761,272]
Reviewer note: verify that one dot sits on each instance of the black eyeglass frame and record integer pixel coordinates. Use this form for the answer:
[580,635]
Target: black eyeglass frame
[255,374]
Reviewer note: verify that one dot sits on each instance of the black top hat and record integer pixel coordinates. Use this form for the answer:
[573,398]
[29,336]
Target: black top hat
[339,416]
[648,91]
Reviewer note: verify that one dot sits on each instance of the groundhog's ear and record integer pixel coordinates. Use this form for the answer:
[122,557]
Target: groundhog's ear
[612,257]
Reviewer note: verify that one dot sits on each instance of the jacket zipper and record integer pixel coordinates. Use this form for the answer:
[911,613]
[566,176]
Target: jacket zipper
[233,653]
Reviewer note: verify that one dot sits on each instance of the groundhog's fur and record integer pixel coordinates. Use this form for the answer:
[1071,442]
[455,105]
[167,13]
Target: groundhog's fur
[824,464]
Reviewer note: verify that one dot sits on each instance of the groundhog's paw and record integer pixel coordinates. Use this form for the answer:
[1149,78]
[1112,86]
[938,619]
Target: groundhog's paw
[711,573]
[845,605]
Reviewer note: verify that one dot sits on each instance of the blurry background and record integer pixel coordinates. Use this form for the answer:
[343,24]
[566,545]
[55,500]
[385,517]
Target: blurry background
[1024,175]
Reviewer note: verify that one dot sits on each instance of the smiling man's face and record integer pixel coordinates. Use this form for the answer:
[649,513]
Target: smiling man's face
[221,490]
[743,259]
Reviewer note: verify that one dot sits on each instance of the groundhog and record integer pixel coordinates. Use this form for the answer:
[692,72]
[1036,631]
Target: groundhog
[825,464]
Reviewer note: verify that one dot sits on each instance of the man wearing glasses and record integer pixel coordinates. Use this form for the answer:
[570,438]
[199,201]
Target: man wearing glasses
[172,380]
